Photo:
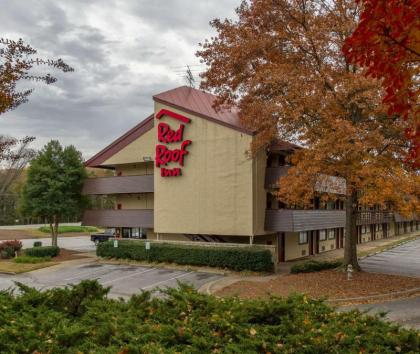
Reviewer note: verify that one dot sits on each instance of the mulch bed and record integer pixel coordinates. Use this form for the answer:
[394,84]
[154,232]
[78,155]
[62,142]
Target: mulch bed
[15,234]
[331,284]
[68,255]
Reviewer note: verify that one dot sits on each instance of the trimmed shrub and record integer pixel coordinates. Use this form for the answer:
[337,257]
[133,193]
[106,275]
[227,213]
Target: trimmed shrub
[8,248]
[46,251]
[238,258]
[37,244]
[29,259]
[314,266]
[66,229]
[81,319]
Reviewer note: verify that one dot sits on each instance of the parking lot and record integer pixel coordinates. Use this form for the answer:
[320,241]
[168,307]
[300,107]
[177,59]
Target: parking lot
[125,280]
[402,260]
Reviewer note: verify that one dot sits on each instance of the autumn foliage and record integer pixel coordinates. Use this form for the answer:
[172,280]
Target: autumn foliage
[387,43]
[281,63]
[16,64]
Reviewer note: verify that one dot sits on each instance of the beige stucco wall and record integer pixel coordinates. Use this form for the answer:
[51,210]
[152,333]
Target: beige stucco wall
[293,249]
[215,193]
[327,244]
[136,201]
[135,151]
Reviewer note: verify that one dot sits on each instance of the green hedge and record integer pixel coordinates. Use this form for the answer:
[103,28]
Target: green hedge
[238,258]
[81,319]
[46,251]
[314,266]
[66,229]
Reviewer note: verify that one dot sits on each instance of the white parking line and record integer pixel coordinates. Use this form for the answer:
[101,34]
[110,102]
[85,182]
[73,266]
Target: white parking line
[89,272]
[128,276]
[164,281]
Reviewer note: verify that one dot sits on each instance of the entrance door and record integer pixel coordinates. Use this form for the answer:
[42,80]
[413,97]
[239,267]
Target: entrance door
[126,232]
[281,247]
[373,232]
[313,242]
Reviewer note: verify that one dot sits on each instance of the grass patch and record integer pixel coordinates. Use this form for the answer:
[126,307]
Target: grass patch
[67,229]
[81,319]
[10,266]
[32,260]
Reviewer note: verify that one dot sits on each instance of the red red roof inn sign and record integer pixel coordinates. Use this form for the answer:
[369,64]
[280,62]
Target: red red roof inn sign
[166,135]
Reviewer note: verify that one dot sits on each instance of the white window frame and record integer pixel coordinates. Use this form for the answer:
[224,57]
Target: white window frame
[303,234]
[323,235]
[331,234]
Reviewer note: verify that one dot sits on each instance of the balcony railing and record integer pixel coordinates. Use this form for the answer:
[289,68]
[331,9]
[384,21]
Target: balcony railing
[118,185]
[374,217]
[325,183]
[119,218]
[290,220]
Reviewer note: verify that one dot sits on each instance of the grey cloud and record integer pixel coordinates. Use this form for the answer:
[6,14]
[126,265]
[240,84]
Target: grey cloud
[120,61]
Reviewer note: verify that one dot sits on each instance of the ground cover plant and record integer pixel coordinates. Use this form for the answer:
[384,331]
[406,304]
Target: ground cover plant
[67,229]
[81,319]
[314,266]
[238,258]
[32,260]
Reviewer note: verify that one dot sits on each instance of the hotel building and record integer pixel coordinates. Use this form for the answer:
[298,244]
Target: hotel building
[183,174]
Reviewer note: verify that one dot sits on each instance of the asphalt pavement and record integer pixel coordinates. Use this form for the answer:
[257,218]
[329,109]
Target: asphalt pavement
[124,280]
[402,260]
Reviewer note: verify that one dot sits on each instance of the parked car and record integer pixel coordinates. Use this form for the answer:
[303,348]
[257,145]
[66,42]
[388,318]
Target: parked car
[102,237]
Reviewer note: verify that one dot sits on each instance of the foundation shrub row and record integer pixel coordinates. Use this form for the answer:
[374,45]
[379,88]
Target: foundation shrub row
[81,319]
[314,266]
[252,259]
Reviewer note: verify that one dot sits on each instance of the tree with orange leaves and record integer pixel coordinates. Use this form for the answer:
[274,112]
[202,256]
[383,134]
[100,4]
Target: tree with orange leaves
[281,63]
[16,62]
[386,42]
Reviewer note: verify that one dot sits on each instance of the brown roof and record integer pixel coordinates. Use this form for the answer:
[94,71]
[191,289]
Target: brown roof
[201,103]
[121,142]
[281,145]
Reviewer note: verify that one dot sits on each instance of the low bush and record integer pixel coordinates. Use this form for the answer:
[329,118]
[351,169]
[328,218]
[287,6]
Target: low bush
[37,244]
[314,266]
[9,248]
[81,319]
[29,259]
[238,258]
[66,229]
[46,251]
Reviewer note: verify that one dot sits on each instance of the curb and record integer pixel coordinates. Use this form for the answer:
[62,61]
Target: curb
[370,297]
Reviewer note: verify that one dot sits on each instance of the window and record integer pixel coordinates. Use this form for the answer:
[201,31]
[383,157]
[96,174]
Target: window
[135,232]
[303,237]
[331,234]
[322,235]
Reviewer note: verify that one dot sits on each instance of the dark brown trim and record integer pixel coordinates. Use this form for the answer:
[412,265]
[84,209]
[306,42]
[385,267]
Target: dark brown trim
[121,143]
[118,185]
[212,119]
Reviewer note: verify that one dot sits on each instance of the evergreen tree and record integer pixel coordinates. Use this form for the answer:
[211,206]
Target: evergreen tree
[54,183]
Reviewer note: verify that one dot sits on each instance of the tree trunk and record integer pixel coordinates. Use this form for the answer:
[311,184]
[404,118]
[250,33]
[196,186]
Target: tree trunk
[54,230]
[350,247]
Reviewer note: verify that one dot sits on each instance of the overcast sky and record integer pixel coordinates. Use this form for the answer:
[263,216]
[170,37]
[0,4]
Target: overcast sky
[123,52]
